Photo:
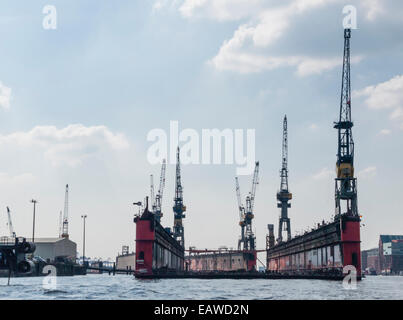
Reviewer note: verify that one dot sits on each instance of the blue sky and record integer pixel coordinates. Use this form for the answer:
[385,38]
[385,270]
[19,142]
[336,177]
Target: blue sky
[76,104]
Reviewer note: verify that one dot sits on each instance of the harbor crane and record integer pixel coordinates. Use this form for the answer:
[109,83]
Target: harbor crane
[345,183]
[152,193]
[247,239]
[283,195]
[241,214]
[65,226]
[10,223]
[178,208]
[156,200]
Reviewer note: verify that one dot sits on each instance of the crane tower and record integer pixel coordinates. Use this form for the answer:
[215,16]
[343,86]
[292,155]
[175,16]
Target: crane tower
[283,195]
[178,208]
[10,223]
[65,232]
[345,183]
[246,214]
[157,200]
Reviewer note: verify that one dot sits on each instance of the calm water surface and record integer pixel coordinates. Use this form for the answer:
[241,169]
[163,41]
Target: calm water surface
[126,287]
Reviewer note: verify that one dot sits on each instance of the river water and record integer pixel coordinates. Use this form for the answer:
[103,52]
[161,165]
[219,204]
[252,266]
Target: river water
[101,287]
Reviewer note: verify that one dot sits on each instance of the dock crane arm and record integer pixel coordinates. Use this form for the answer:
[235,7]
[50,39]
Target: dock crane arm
[255,182]
[10,224]
[240,206]
[152,195]
[162,185]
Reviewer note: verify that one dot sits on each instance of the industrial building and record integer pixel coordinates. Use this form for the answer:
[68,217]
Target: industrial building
[370,261]
[126,260]
[391,254]
[51,248]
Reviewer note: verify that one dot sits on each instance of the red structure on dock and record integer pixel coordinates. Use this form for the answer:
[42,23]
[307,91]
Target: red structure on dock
[156,250]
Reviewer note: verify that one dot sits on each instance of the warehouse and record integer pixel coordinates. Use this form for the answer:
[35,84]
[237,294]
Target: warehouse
[125,260]
[51,248]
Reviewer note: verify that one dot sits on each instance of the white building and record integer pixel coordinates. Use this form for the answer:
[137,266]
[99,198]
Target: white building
[50,248]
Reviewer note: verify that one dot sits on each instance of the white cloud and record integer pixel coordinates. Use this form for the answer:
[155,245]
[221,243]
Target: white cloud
[367,173]
[21,179]
[385,132]
[229,59]
[323,174]
[267,22]
[68,146]
[221,10]
[374,8]
[163,4]
[5,96]
[385,95]
[246,51]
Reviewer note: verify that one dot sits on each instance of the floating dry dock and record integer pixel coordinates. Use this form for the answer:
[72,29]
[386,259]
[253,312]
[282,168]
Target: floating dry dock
[321,253]
[239,275]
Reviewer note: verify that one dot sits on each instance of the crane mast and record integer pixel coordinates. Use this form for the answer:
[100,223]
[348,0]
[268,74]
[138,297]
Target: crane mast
[345,183]
[283,195]
[60,223]
[10,224]
[246,213]
[241,209]
[65,232]
[157,207]
[152,194]
[178,208]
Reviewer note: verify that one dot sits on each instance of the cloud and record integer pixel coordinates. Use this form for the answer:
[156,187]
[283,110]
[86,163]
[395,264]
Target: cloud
[247,50]
[67,146]
[21,179]
[367,173]
[230,59]
[374,8]
[221,10]
[323,174]
[5,96]
[385,132]
[385,95]
[163,4]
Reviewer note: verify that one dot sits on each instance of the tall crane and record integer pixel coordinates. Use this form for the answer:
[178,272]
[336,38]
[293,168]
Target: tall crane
[60,223]
[152,193]
[283,195]
[241,214]
[246,213]
[157,204]
[65,229]
[10,224]
[178,207]
[345,183]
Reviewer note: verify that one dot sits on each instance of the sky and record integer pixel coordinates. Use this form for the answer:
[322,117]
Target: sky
[77,103]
